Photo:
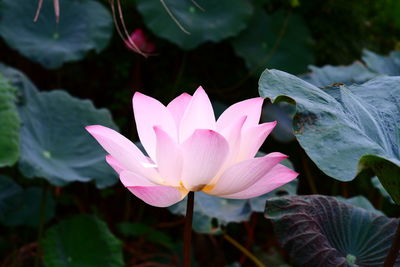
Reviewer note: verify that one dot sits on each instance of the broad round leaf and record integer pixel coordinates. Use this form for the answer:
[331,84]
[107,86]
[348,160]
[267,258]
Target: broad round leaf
[21,207]
[8,189]
[84,25]
[377,184]
[346,131]
[81,241]
[211,20]
[322,231]
[389,65]
[54,142]
[146,232]
[278,40]
[26,208]
[357,72]
[361,202]
[327,75]
[9,124]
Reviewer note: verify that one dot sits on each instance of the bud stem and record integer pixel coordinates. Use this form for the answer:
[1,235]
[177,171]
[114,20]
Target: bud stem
[187,234]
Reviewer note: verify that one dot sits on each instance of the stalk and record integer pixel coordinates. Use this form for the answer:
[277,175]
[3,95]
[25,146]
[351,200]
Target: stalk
[187,234]
[244,250]
[42,219]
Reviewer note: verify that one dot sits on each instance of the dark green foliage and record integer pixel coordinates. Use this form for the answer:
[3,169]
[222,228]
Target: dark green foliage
[81,241]
[279,41]
[54,143]
[22,206]
[322,231]
[9,124]
[84,25]
[207,21]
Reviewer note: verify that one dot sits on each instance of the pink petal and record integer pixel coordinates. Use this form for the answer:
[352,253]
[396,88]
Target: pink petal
[252,139]
[114,164]
[178,106]
[199,114]
[129,179]
[158,196]
[244,174]
[233,135]
[169,158]
[122,150]
[251,108]
[149,112]
[152,194]
[275,178]
[204,152]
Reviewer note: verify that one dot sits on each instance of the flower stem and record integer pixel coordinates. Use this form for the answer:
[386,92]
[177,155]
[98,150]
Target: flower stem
[42,218]
[187,234]
[244,250]
[394,250]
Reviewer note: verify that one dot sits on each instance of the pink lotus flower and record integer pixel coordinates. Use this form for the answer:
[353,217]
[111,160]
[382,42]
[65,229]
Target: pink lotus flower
[139,43]
[190,151]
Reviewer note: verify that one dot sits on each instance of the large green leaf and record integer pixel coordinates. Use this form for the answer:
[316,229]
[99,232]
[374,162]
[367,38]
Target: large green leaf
[218,20]
[361,202]
[322,231]
[346,131]
[9,124]
[279,41]
[327,75]
[389,65]
[210,213]
[81,241]
[146,232]
[84,25]
[358,72]
[377,184]
[54,143]
[8,189]
[22,206]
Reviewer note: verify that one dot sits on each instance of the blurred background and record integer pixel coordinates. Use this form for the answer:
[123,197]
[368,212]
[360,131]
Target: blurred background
[55,185]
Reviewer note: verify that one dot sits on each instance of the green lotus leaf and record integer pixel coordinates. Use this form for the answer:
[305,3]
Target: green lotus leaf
[9,124]
[212,20]
[8,189]
[81,241]
[347,131]
[374,65]
[278,40]
[84,25]
[147,232]
[375,182]
[323,231]
[355,73]
[54,142]
[21,207]
[361,202]
[389,65]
